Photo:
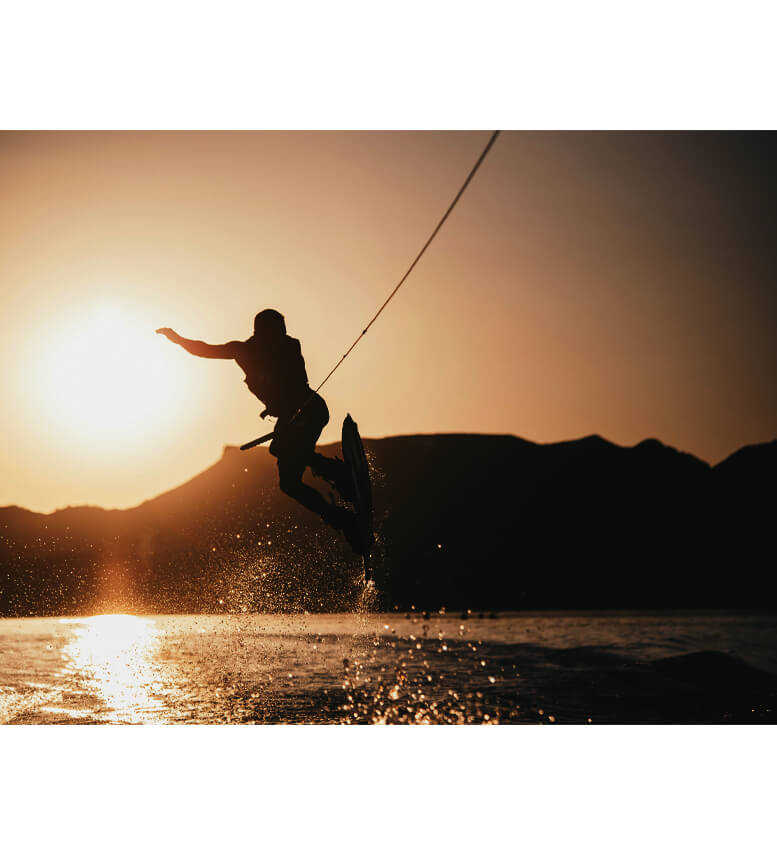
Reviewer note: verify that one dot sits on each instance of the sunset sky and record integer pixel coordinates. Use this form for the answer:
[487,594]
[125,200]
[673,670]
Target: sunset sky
[612,283]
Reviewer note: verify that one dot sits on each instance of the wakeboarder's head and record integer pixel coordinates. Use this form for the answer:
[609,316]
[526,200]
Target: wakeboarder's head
[269,324]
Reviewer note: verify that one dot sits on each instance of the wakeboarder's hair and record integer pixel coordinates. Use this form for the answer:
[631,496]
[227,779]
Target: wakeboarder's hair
[269,322]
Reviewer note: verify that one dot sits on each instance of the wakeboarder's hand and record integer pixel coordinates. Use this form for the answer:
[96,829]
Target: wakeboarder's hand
[170,334]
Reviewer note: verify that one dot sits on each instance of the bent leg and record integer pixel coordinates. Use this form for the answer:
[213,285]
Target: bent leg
[339,518]
[292,485]
[294,446]
[331,469]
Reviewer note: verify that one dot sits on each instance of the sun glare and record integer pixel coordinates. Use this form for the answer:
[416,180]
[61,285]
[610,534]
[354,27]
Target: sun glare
[105,378]
[114,655]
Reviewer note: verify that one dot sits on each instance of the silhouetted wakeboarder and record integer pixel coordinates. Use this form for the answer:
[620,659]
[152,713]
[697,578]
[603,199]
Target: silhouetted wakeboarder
[275,373]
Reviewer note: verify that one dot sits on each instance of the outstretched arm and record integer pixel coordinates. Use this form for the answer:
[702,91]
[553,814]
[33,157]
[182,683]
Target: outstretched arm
[200,348]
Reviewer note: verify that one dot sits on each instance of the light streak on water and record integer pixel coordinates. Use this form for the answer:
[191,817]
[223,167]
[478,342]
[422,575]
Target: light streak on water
[417,668]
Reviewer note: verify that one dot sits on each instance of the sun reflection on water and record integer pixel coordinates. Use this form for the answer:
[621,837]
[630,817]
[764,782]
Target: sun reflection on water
[112,656]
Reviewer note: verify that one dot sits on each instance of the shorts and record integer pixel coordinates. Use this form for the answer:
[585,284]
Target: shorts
[295,440]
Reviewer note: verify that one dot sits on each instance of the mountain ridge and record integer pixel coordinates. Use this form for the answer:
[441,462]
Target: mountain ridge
[335,447]
[463,520]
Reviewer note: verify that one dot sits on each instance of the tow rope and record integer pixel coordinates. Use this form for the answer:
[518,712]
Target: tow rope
[390,297]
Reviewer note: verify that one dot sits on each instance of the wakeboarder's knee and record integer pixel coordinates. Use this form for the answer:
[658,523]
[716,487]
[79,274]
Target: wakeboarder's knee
[291,486]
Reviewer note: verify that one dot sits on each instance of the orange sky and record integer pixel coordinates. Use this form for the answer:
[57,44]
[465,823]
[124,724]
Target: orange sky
[619,284]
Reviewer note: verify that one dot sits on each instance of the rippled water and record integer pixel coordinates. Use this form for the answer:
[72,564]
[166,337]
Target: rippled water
[391,668]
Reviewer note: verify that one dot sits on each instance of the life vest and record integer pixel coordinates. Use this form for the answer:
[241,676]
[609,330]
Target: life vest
[275,373]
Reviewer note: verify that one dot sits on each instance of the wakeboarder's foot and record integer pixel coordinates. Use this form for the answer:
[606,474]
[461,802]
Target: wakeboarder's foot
[344,488]
[336,473]
[345,521]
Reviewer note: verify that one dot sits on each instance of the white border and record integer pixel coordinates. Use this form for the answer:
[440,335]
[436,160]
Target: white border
[419,64]
[319,789]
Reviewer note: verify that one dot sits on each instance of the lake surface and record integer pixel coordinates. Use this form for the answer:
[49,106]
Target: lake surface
[389,668]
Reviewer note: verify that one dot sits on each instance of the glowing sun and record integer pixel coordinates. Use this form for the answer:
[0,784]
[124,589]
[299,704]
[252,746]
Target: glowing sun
[106,378]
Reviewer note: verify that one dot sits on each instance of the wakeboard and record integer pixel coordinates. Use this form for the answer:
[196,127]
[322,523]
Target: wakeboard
[356,461]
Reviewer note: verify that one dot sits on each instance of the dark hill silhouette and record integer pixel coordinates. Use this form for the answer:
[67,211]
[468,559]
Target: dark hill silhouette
[745,511]
[464,521]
